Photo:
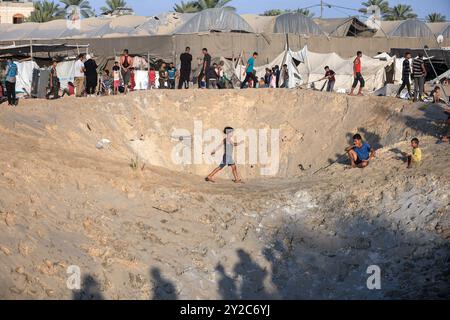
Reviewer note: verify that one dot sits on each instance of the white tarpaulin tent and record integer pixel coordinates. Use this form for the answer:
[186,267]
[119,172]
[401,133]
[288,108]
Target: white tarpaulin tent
[312,67]
[286,57]
[25,76]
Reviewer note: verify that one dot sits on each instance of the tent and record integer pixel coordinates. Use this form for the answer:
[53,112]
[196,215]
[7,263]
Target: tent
[296,23]
[286,57]
[312,67]
[440,28]
[404,28]
[217,19]
[345,27]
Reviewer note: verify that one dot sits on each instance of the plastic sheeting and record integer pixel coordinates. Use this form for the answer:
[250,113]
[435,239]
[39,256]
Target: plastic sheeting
[65,71]
[312,69]
[141,79]
[404,28]
[220,19]
[165,23]
[25,76]
[296,23]
[345,27]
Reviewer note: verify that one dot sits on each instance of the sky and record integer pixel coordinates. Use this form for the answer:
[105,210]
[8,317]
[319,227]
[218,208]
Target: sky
[154,7]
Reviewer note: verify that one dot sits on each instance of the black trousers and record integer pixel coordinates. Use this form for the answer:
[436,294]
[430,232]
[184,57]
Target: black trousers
[359,78]
[405,83]
[184,79]
[91,85]
[54,90]
[248,76]
[11,92]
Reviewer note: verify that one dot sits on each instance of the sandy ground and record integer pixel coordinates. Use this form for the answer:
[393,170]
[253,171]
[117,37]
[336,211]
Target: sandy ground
[158,231]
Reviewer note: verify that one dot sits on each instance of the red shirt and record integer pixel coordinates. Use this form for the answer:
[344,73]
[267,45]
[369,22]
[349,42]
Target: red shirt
[357,64]
[152,76]
[71,90]
[330,73]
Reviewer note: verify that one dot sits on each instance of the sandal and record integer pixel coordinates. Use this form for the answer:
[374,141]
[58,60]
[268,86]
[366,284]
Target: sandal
[209,180]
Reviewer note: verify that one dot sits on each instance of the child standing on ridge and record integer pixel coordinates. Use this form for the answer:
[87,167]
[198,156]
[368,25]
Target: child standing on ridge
[416,156]
[171,72]
[152,78]
[227,160]
[116,77]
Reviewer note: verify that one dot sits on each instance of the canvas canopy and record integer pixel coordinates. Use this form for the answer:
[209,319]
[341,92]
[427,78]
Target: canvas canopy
[27,49]
[345,27]
[312,67]
[217,19]
[404,28]
[296,23]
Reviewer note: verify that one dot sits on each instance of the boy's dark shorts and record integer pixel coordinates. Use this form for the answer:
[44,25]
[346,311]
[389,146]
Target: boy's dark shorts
[359,161]
[226,162]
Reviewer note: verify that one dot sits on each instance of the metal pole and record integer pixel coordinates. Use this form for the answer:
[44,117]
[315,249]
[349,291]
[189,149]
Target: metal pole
[31,49]
[321,9]
[431,63]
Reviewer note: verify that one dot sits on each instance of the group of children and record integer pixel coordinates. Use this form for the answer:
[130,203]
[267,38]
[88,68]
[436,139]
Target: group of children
[114,83]
[360,153]
[273,76]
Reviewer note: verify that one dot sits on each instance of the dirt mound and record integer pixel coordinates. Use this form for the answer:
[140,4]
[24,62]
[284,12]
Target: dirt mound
[146,229]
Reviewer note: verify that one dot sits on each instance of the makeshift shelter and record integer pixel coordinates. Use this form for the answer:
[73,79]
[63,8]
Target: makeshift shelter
[30,49]
[286,57]
[345,27]
[215,20]
[296,23]
[312,66]
[404,29]
[440,28]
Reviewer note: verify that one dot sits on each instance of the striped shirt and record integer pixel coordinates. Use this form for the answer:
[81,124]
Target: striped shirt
[417,68]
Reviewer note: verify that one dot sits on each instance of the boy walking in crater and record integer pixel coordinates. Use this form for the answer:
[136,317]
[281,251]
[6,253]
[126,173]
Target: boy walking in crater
[227,160]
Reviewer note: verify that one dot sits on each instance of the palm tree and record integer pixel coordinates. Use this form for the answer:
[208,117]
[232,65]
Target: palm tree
[273,12]
[187,7]
[400,12]
[43,11]
[304,12]
[84,5]
[208,4]
[435,17]
[382,4]
[112,5]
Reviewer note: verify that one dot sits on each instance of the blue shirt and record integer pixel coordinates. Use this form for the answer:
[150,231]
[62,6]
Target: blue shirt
[251,64]
[11,72]
[363,153]
[172,73]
